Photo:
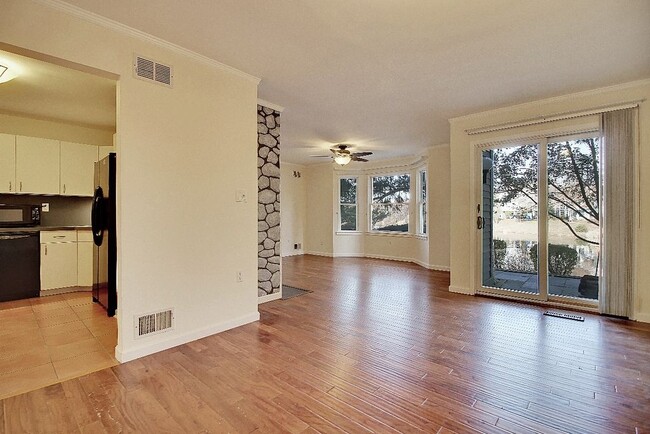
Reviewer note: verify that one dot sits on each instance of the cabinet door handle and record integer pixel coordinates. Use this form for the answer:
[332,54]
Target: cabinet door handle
[9,185]
[21,185]
[45,250]
[59,236]
[63,188]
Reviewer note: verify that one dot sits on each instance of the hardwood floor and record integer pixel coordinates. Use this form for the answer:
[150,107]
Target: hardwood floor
[377,346]
[50,339]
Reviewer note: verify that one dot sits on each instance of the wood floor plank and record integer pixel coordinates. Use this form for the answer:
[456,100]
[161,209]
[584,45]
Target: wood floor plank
[377,346]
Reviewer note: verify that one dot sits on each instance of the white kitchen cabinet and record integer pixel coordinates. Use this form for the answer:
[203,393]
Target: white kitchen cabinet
[58,259]
[7,163]
[37,165]
[84,257]
[77,169]
[104,151]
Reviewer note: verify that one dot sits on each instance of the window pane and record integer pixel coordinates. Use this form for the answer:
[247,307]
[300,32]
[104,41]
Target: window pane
[391,189]
[422,205]
[574,218]
[348,217]
[348,193]
[423,184]
[390,217]
[423,218]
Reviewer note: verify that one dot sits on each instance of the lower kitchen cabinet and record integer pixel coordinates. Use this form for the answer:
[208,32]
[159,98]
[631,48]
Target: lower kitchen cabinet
[59,260]
[84,258]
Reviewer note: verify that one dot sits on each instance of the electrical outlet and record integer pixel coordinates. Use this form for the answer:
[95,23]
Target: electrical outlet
[45,207]
[240,277]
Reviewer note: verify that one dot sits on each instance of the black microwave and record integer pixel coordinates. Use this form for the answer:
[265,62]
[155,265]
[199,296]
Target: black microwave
[19,215]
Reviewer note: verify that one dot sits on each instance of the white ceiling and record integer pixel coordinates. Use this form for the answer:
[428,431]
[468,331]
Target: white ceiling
[387,75]
[47,91]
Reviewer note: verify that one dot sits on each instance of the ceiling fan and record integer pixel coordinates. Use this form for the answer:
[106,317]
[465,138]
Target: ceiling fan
[342,155]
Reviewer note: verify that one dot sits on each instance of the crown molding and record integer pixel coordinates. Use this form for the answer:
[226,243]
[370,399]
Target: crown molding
[138,34]
[555,99]
[265,103]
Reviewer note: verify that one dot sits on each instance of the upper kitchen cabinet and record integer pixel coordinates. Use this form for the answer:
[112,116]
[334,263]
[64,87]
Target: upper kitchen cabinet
[37,165]
[7,163]
[77,169]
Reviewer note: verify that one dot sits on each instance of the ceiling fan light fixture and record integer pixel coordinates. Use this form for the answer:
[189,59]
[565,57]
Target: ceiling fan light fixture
[7,74]
[342,159]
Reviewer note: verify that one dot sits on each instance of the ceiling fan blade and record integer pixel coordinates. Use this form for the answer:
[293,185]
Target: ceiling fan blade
[334,150]
[355,158]
[361,154]
[321,156]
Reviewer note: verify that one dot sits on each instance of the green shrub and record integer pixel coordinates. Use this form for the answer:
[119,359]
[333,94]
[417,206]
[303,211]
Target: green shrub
[562,259]
[499,248]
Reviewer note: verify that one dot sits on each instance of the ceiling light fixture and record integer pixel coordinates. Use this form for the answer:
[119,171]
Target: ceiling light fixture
[342,159]
[7,74]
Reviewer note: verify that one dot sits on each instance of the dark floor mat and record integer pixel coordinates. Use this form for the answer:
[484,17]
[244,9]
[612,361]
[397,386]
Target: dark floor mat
[290,292]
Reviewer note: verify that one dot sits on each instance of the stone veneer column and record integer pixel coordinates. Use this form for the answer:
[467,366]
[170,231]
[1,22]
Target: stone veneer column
[268,206]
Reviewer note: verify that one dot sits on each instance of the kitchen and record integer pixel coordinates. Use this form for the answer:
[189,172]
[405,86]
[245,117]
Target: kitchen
[56,124]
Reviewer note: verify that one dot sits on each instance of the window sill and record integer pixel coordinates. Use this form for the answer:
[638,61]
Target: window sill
[385,234]
[390,234]
[349,233]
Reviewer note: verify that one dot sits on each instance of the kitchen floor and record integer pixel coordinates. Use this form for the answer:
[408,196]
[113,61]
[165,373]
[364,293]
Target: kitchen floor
[50,339]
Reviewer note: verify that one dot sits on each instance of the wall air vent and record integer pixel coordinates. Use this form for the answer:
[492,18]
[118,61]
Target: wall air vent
[153,323]
[150,70]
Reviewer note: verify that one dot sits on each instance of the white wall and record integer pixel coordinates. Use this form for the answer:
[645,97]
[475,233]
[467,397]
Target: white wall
[47,129]
[319,217]
[293,206]
[439,207]
[463,229]
[181,235]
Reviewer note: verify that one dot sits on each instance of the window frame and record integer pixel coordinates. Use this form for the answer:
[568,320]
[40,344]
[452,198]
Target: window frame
[371,181]
[355,204]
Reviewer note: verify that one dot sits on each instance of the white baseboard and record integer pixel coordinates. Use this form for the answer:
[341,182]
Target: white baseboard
[393,258]
[176,340]
[433,267]
[269,297]
[311,252]
[642,317]
[389,258]
[293,253]
[460,290]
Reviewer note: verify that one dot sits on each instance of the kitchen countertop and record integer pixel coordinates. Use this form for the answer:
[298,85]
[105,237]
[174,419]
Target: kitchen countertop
[43,228]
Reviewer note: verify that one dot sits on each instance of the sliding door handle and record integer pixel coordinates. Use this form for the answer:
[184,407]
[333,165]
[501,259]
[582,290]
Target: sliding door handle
[480,222]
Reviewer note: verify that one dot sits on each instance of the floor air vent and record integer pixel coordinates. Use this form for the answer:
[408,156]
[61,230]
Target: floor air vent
[150,70]
[153,323]
[564,315]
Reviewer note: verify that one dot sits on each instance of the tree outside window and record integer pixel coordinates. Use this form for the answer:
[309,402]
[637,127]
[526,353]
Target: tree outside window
[390,203]
[348,204]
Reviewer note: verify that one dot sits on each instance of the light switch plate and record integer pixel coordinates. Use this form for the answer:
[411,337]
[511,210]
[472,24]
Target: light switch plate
[240,196]
[45,207]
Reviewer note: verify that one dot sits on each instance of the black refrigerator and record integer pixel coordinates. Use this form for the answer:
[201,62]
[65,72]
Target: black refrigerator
[104,236]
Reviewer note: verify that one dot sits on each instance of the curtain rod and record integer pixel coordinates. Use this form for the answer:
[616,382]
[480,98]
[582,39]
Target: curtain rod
[551,118]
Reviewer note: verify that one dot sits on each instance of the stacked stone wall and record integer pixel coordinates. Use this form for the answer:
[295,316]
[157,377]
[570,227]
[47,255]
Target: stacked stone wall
[268,214]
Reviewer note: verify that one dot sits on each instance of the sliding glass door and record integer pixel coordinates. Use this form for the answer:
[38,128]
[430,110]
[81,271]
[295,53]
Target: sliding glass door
[539,219]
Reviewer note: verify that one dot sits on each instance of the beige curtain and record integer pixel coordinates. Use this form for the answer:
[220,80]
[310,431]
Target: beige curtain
[615,295]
